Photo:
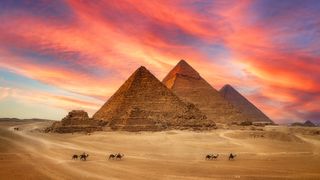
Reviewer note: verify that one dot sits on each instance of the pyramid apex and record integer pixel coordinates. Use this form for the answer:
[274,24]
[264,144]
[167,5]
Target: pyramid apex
[182,68]
[228,86]
[182,61]
[184,64]
[142,68]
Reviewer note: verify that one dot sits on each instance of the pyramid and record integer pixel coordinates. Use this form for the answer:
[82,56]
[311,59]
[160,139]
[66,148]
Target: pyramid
[144,103]
[246,107]
[189,86]
[309,124]
[76,121]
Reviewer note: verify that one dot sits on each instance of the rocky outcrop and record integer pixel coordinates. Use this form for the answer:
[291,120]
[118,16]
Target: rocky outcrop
[305,124]
[76,121]
[309,124]
[76,117]
[143,103]
[189,86]
[252,113]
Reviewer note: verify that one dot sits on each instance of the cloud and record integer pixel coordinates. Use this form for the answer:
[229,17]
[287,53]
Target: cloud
[4,92]
[269,50]
[49,99]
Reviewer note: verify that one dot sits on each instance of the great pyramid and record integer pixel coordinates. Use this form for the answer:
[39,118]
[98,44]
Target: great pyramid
[144,103]
[246,107]
[189,86]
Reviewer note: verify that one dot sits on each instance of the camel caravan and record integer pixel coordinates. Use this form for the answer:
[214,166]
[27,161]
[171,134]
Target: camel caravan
[211,156]
[116,156]
[82,156]
[214,157]
[119,156]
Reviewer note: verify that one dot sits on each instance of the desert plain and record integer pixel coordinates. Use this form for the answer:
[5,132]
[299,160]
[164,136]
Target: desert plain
[271,152]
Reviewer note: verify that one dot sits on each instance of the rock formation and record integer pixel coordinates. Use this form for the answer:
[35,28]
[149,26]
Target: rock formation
[76,121]
[246,107]
[305,124]
[309,124]
[144,103]
[76,117]
[189,86]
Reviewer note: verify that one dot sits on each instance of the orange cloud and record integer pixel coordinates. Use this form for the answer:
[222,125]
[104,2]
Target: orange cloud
[47,99]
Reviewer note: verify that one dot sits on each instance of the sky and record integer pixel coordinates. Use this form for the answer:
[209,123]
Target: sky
[60,55]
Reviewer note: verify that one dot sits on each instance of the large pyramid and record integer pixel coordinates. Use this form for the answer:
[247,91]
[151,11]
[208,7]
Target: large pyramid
[144,103]
[246,107]
[189,86]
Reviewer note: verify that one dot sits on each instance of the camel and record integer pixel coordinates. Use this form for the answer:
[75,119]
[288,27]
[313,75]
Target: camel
[119,156]
[212,156]
[209,156]
[16,129]
[112,156]
[74,157]
[84,156]
[232,156]
[215,156]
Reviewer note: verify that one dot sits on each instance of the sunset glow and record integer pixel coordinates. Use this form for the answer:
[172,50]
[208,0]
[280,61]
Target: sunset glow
[59,55]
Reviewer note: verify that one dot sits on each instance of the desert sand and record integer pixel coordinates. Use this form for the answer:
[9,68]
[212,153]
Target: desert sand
[272,152]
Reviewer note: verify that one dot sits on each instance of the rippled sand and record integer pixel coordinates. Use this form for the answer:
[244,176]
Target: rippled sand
[275,153]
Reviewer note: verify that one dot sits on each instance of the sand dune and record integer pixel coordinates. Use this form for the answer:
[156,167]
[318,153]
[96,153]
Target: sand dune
[281,152]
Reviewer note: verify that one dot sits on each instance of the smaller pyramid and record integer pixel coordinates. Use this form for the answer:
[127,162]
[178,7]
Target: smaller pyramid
[247,108]
[76,121]
[143,103]
[309,124]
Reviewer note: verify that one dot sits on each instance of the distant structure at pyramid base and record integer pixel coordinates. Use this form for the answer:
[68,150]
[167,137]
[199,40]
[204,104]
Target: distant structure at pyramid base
[76,121]
[247,108]
[143,103]
[305,124]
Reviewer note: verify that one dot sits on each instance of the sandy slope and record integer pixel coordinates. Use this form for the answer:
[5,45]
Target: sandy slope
[274,153]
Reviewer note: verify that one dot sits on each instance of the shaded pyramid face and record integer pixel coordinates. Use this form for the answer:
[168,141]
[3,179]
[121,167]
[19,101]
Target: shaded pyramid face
[246,107]
[189,86]
[144,103]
